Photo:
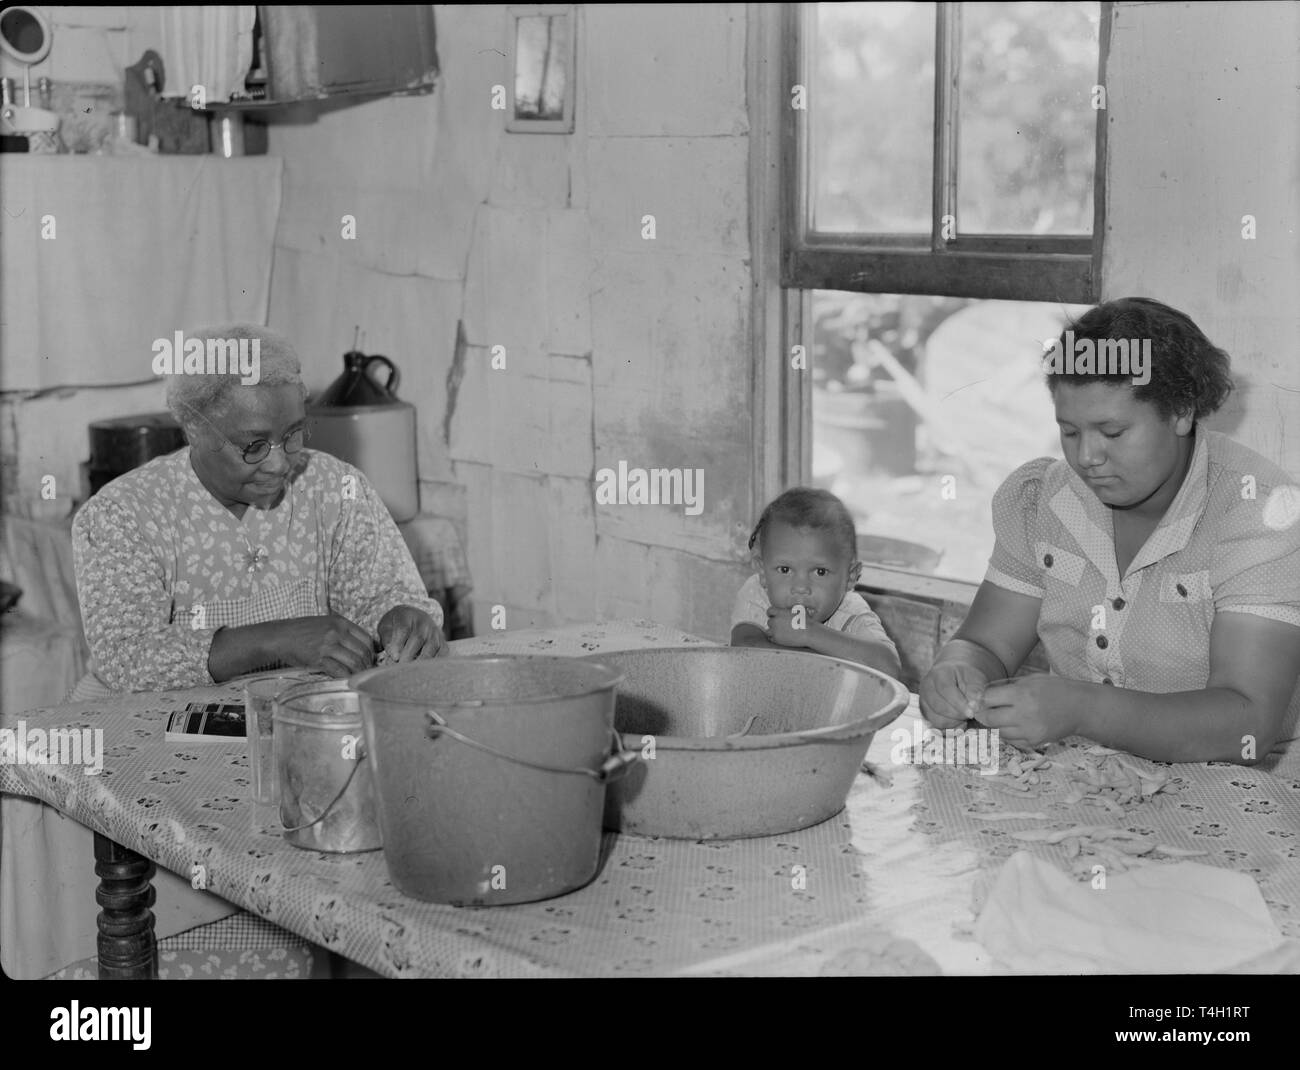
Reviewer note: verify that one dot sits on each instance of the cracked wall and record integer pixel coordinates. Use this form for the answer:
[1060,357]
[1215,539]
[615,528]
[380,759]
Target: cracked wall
[616,348]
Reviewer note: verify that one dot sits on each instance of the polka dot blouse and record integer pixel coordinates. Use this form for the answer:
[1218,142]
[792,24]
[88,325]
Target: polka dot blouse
[1229,543]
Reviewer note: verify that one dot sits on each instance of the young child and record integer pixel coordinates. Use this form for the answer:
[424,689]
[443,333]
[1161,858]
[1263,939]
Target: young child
[805,554]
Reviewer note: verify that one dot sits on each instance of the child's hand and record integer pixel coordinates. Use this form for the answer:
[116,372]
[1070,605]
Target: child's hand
[781,626]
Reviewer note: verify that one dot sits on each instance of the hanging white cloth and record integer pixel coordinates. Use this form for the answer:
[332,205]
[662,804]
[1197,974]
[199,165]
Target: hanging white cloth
[160,242]
[211,46]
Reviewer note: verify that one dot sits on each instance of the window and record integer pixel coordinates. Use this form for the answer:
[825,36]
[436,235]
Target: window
[952,149]
[942,216]
[921,406]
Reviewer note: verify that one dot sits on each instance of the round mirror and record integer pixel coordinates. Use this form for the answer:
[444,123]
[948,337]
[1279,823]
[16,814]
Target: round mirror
[24,34]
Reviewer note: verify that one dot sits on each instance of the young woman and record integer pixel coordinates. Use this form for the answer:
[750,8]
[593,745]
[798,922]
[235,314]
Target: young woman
[1159,563]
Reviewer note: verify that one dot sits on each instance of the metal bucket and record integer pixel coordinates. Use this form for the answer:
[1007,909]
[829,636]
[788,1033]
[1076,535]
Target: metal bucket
[490,774]
[327,797]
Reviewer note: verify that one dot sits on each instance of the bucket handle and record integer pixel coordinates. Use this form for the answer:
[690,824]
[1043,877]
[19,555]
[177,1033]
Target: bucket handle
[615,766]
[356,764]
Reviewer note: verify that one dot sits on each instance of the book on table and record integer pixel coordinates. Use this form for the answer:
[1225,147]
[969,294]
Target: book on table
[207,722]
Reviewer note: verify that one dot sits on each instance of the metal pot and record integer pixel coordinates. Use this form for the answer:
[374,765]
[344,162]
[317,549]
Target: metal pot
[745,742]
[125,442]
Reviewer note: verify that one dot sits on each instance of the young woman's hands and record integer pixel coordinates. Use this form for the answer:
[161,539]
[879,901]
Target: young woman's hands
[950,693]
[1031,710]
[995,638]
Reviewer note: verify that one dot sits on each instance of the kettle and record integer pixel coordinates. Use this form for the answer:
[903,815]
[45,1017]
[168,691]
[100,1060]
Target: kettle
[361,421]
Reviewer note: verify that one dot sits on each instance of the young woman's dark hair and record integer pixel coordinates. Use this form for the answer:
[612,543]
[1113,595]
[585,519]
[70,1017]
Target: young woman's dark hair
[809,507]
[1188,372]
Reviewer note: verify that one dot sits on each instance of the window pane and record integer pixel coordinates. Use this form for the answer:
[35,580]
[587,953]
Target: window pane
[872,117]
[541,51]
[909,389]
[1027,127]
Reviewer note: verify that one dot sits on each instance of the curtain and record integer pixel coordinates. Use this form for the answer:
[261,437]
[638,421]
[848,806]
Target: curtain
[209,45]
[146,246]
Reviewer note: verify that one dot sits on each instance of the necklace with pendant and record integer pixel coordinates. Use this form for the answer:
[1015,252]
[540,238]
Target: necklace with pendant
[254,559]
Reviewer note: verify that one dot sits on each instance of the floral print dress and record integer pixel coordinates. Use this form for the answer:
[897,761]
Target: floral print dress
[162,565]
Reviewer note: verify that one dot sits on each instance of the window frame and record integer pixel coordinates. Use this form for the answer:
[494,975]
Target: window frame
[1060,268]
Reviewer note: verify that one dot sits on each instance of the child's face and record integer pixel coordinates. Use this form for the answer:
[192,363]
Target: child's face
[804,566]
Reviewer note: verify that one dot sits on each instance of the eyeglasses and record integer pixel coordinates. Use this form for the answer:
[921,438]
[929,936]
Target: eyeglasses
[259,449]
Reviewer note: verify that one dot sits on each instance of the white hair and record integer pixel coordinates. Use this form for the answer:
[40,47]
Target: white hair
[209,394]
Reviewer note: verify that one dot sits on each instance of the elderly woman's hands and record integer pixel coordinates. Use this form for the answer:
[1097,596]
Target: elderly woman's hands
[330,644]
[407,633]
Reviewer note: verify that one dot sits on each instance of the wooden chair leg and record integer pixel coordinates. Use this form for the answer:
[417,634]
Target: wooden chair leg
[128,949]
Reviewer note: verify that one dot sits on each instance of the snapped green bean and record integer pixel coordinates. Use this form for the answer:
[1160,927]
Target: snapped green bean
[1097,776]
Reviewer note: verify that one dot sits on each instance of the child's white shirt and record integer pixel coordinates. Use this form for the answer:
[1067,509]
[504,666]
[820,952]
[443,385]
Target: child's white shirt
[852,617]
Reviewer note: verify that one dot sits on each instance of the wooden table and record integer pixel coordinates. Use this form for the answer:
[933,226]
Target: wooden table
[890,878]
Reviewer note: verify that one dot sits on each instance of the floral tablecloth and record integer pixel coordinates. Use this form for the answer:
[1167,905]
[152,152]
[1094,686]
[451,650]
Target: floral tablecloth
[885,887]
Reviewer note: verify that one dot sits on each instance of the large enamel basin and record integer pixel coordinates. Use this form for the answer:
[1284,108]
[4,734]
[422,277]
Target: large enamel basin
[806,720]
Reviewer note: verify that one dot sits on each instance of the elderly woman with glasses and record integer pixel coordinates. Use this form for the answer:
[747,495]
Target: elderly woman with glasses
[244,551]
